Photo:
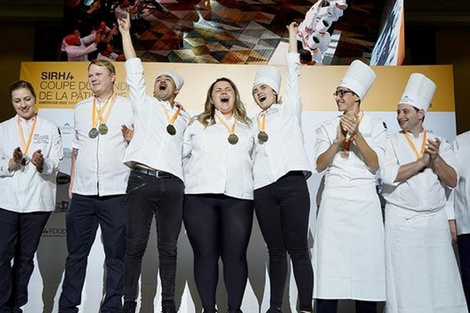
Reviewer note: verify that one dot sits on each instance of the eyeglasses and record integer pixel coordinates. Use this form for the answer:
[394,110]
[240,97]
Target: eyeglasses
[340,93]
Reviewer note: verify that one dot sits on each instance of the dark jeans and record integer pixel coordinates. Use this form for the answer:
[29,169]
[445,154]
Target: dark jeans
[82,220]
[282,209]
[19,240]
[149,196]
[219,227]
[464,256]
[331,306]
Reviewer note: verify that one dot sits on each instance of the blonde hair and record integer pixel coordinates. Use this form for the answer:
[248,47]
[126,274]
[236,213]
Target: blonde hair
[105,63]
[207,118]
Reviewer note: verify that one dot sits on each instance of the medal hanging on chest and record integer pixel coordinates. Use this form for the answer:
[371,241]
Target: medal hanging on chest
[420,153]
[232,138]
[97,114]
[25,144]
[93,133]
[262,135]
[103,129]
[171,129]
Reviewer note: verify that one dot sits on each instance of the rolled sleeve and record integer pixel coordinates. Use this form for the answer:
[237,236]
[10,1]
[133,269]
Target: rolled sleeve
[322,143]
[450,211]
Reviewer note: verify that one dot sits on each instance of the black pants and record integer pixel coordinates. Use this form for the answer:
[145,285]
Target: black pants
[149,196]
[282,209]
[82,220]
[331,306]
[19,240]
[464,256]
[219,227]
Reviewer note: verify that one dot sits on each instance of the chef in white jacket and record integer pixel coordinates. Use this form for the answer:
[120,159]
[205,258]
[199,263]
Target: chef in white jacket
[30,151]
[348,252]
[422,272]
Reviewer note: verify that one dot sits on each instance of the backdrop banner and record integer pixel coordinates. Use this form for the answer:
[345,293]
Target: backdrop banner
[59,86]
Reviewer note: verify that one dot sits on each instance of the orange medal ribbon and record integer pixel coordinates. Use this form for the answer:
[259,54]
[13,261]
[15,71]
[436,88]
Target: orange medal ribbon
[412,145]
[170,128]
[262,135]
[232,138]
[171,120]
[98,114]
[25,145]
[262,125]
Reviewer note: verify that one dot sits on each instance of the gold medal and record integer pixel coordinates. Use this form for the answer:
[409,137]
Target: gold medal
[93,133]
[263,137]
[97,114]
[232,139]
[171,129]
[103,129]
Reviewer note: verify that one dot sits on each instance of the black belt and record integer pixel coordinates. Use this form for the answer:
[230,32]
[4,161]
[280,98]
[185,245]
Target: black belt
[152,172]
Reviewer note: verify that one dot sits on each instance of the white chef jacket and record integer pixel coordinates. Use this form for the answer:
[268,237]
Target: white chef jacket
[352,174]
[152,145]
[461,145]
[284,151]
[99,168]
[26,190]
[213,165]
[422,272]
[422,192]
[348,254]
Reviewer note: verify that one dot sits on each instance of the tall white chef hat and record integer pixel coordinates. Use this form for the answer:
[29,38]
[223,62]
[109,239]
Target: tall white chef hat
[270,76]
[359,78]
[418,91]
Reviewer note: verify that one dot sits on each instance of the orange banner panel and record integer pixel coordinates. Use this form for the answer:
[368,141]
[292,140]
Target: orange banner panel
[63,84]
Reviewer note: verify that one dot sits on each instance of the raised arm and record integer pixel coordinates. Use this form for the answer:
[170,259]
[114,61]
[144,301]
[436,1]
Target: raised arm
[134,68]
[292,95]
[293,28]
[124,28]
